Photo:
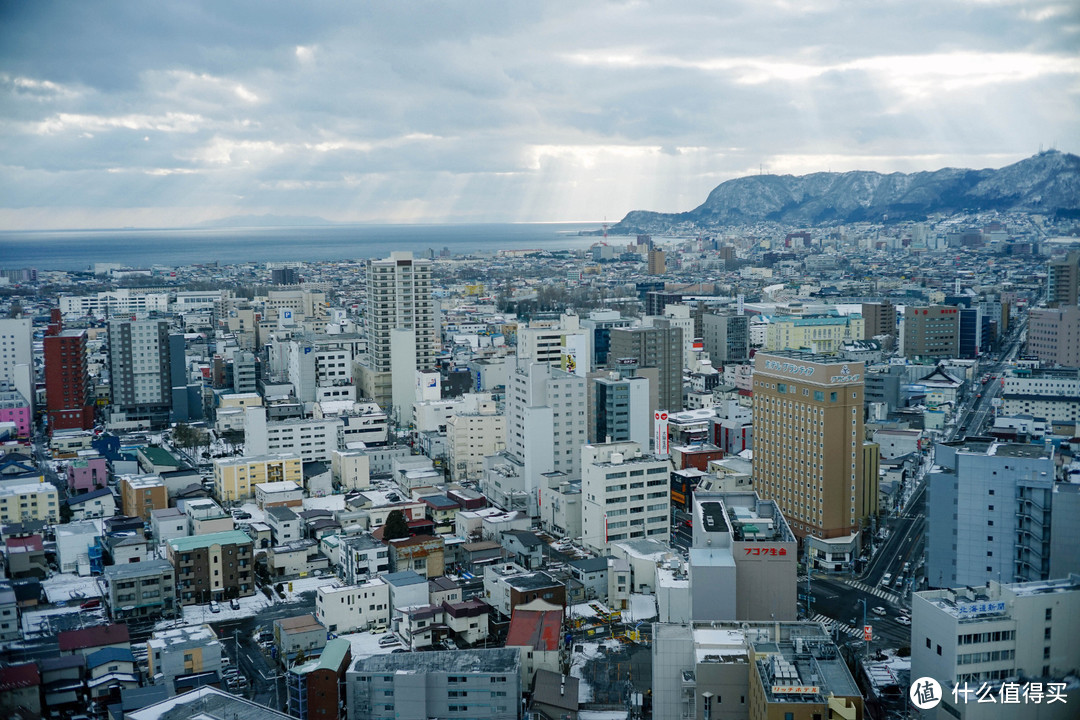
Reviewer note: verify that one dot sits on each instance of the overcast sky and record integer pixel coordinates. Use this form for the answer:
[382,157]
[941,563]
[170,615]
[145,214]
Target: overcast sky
[159,114]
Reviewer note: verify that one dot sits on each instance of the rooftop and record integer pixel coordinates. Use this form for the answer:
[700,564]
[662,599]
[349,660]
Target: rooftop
[195,542]
[206,703]
[139,569]
[500,661]
[198,634]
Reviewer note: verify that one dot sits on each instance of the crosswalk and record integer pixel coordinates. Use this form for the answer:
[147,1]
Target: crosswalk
[883,594]
[831,625]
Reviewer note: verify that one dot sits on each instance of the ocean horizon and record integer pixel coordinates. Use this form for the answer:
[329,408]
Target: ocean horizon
[142,248]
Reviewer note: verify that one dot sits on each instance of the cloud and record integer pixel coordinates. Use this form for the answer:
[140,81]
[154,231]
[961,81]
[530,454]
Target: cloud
[499,111]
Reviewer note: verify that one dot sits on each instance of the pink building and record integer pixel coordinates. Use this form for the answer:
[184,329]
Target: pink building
[14,408]
[86,474]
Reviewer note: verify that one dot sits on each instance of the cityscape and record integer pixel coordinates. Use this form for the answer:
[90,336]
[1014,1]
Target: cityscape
[565,361]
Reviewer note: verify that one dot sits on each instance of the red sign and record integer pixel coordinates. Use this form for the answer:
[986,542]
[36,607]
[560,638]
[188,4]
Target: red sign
[765,550]
[868,632]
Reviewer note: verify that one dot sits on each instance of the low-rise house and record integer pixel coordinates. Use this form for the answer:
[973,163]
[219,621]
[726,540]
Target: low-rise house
[475,556]
[87,640]
[536,631]
[94,504]
[168,524]
[407,589]
[293,635]
[73,540]
[109,669]
[154,460]
[144,589]
[298,558]
[441,510]
[555,695]
[422,554]
[508,585]
[283,492]
[26,557]
[523,548]
[21,686]
[182,651]
[346,609]
[284,523]
[467,621]
[592,573]
[316,524]
[127,547]
[64,682]
[443,589]
[177,481]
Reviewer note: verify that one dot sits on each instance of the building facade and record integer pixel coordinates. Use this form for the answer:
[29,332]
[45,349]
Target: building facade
[624,495]
[214,566]
[416,686]
[652,347]
[931,332]
[235,478]
[1053,335]
[808,441]
[68,400]
[726,337]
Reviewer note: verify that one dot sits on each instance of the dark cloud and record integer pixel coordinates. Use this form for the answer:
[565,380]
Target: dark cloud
[504,111]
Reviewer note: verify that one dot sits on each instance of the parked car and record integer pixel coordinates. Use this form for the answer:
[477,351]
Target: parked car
[378,628]
[234,604]
[91,604]
[388,641]
[215,606]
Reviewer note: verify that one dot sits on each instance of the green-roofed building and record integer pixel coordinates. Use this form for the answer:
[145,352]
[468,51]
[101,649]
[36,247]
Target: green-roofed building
[215,566]
[316,686]
[158,460]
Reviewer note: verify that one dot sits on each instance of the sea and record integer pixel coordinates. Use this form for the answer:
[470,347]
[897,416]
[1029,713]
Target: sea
[76,250]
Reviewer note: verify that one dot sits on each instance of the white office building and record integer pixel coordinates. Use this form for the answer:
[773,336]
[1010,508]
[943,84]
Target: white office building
[350,608]
[996,633]
[312,440]
[545,430]
[625,495]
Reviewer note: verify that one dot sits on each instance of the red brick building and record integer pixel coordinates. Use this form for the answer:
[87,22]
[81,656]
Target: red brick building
[67,382]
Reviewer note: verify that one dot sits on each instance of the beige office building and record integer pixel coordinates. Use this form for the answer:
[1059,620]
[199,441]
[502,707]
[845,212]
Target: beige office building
[808,441]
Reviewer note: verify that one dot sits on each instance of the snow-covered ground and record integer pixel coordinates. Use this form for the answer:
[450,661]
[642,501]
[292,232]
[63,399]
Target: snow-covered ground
[327,502]
[65,587]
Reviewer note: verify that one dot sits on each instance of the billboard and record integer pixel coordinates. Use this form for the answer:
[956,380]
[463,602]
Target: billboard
[660,421]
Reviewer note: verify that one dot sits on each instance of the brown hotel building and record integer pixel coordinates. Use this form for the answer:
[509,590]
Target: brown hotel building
[808,441]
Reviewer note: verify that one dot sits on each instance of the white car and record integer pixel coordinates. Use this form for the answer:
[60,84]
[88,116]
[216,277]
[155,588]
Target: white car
[904,620]
[215,607]
[879,611]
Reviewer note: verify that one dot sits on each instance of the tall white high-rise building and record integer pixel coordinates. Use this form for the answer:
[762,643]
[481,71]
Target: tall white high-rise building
[545,429]
[398,298]
[16,347]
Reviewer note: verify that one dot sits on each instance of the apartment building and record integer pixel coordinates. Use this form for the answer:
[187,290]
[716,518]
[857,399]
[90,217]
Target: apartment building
[142,589]
[215,566]
[141,495]
[473,431]
[311,439]
[68,399]
[181,651]
[482,684]
[28,501]
[235,478]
